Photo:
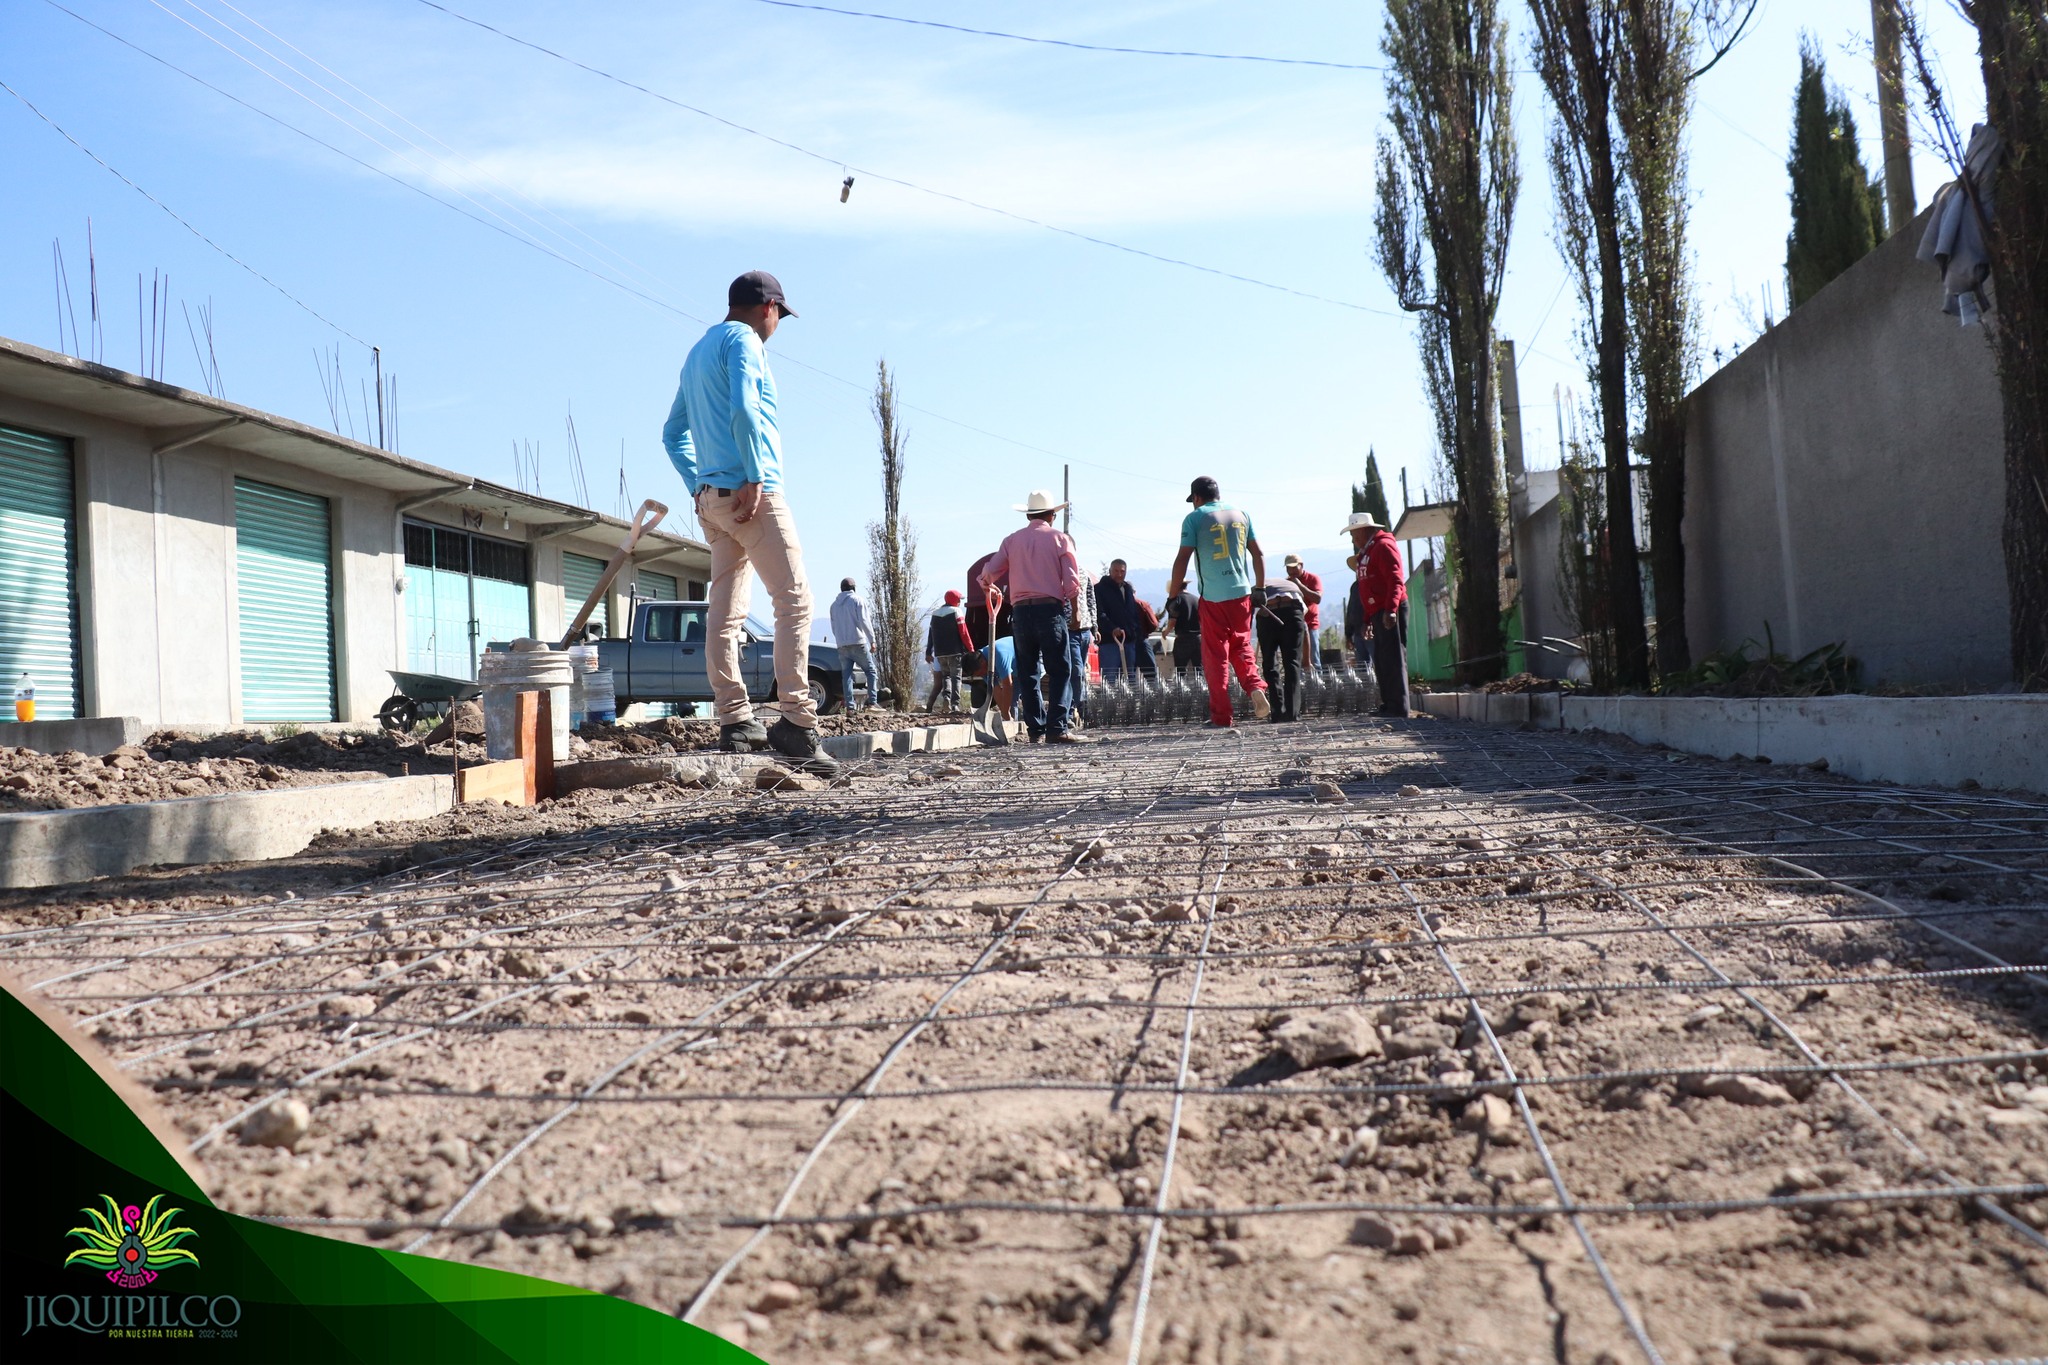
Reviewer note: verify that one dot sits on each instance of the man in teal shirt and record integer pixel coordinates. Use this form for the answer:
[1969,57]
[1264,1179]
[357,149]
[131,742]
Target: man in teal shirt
[1228,567]
[721,437]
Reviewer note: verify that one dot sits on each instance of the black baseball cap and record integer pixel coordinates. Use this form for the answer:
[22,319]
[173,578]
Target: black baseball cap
[1204,489]
[757,286]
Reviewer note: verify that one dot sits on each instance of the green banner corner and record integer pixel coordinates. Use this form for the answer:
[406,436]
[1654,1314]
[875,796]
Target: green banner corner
[111,1253]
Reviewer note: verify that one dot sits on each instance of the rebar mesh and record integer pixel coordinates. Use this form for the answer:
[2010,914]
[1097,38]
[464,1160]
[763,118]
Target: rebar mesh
[1010,1035]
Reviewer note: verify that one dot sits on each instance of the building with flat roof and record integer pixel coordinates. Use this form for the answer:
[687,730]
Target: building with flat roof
[175,557]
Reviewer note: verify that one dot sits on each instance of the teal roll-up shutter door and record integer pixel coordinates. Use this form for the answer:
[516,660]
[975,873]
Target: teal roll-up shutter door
[38,566]
[658,587]
[579,579]
[285,586]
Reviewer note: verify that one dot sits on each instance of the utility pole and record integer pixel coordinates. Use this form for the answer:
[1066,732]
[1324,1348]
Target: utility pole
[1511,432]
[1891,115]
[377,364]
[1067,497]
[1409,546]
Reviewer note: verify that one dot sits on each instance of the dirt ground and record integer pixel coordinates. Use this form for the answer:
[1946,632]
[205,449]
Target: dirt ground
[1343,1041]
[171,764]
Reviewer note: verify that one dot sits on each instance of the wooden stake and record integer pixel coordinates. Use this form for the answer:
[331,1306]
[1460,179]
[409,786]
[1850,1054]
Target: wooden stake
[525,744]
[540,761]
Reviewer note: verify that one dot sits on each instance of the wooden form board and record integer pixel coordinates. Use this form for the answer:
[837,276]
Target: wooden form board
[504,781]
[528,777]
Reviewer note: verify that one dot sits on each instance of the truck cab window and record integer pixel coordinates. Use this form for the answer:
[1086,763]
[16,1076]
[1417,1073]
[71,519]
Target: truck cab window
[664,624]
[693,627]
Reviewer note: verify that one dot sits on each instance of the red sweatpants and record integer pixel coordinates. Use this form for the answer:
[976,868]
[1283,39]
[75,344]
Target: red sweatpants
[1227,646]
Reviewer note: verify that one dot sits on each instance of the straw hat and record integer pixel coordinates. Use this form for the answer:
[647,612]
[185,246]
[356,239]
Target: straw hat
[1039,501]
[1361,521]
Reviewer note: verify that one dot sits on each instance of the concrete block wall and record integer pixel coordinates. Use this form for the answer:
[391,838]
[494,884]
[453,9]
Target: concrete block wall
[1845,482]
[1994,741]
[157,608]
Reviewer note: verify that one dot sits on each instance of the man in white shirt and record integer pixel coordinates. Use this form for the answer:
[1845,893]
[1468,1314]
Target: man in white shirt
[856,641]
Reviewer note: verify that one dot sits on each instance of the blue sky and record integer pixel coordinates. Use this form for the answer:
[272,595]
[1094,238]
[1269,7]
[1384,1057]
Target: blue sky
[1019,348]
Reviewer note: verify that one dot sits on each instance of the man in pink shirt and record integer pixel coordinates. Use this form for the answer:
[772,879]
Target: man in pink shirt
[1045,578]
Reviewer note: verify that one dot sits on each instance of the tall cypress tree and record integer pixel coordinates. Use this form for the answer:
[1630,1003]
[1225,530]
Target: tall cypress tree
[1837,212]
[1371,496]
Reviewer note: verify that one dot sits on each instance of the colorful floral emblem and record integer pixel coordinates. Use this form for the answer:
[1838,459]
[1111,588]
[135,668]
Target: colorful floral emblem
[132,1245]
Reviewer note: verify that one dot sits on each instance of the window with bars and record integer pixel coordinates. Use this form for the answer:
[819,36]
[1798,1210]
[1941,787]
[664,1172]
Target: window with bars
[438,547]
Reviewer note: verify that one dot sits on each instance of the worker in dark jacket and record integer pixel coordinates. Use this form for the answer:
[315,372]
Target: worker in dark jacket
[1141,637]
[1116,621]
[1184,617]
[946,646]
[1383,607]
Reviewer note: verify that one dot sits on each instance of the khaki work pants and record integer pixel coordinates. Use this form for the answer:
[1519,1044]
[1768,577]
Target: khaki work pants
[766,545]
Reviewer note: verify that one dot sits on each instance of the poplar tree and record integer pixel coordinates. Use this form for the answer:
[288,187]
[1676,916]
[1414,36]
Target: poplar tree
[892,555]
[1653,106]
[1447,181]
[1837,211]
[1371,496]
[1578,52]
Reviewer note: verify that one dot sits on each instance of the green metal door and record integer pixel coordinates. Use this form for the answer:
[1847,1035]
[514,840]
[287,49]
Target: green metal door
[579,578]
[284,581]
[658,587]
[462,592]
[38,563]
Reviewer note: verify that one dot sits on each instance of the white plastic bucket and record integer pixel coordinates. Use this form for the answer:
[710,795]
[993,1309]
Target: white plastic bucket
[504,675]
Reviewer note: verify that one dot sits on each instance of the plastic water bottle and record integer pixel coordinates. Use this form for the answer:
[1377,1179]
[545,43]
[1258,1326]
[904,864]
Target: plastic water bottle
[25,699]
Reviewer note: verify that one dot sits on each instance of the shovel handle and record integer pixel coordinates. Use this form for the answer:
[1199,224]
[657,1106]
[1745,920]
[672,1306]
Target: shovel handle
[646,519]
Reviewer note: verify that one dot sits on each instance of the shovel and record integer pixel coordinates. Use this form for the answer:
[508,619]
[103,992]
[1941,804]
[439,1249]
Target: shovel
[989,726]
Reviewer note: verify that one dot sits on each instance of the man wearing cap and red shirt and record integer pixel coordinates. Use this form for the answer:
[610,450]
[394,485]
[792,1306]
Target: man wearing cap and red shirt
[1383,605]
[1228,565]
[946,644]
[1310,586]
[721,437]
[1045,578]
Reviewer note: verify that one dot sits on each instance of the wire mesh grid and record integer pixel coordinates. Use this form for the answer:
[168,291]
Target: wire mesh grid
[1518,1050]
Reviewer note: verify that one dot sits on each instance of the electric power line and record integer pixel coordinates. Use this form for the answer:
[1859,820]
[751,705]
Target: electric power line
[499,227]
[900,183]
[505,230]
[1062,42]
[181,222]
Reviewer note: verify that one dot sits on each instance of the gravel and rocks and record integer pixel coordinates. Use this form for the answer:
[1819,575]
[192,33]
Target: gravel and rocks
[972,990]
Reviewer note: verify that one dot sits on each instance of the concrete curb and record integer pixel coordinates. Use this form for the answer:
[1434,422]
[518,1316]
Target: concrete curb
[50,848]
[1993,741]
[96,735]
[922,739]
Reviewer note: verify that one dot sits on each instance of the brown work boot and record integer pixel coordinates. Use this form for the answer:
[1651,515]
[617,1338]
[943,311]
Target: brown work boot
[801,747]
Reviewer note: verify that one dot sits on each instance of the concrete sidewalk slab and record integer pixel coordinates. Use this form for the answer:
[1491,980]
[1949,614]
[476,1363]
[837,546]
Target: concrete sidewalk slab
[48,848]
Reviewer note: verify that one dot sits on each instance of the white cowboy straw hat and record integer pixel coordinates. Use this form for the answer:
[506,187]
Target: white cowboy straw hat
[1039,501]
[1361,521]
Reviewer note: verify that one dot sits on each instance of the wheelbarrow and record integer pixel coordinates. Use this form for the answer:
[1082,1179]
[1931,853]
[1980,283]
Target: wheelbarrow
[423,694]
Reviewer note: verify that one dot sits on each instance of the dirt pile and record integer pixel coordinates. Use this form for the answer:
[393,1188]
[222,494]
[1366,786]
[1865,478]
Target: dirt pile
[172,764]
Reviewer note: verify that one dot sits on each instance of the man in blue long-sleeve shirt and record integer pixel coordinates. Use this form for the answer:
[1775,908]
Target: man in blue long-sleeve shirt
[721,437]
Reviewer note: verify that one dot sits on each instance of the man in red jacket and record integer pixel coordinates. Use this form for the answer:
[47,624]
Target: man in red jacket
[1383,596]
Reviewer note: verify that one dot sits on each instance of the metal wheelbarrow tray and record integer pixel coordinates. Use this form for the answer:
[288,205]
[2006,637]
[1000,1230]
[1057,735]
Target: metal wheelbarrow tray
[423,694]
